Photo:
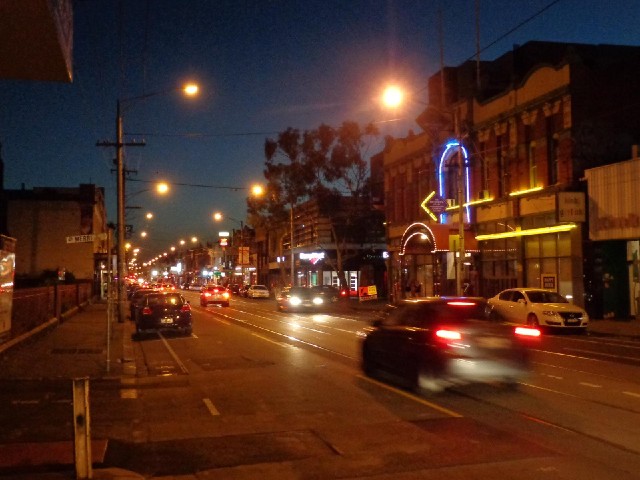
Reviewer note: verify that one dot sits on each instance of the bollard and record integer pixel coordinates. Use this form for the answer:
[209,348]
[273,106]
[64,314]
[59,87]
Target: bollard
[81,428]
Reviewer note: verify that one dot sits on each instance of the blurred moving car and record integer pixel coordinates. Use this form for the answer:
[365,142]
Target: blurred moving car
[299,298]
[164,311]
[216,294]
[538,307]
[257,291]
[330,293]
[433,343]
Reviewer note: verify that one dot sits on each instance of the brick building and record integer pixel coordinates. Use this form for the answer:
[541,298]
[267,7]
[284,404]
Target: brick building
[537,117]
[58,229]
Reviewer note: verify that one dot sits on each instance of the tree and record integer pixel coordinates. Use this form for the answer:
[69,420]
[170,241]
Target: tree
[329,166]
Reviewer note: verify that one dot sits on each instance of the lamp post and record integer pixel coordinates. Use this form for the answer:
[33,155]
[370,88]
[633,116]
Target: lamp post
[392,97]
[219,217]
[291,238]
[189,90]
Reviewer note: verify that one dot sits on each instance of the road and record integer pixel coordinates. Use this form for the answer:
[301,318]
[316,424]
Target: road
[256,393]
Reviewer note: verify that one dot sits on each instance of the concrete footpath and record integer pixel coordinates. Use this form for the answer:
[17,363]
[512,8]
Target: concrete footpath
[105,352]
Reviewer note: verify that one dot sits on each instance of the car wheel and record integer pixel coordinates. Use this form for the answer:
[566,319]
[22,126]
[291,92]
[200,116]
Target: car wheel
[532,321]
[188,331]
[493,315]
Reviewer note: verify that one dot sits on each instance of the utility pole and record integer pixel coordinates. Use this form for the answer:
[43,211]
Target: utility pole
[120,227]
[461,250]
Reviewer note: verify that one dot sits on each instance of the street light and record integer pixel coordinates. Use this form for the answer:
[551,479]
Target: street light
[392,97]
[190,90]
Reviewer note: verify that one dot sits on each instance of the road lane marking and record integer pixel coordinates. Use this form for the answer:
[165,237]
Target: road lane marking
[411,396]
[281,344]
[211,407]
[173,354]
[587,384]
[632,394]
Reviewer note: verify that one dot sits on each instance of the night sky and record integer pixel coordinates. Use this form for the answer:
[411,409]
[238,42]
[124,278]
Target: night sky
[262,66]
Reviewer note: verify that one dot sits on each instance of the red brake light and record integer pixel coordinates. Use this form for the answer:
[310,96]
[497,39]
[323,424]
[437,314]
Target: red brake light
[207,294]
[146,311]
[461,303]
[448,334]
[186,308]
[527,332]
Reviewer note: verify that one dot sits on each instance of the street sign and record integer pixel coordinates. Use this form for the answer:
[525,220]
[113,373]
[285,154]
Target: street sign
[80,238]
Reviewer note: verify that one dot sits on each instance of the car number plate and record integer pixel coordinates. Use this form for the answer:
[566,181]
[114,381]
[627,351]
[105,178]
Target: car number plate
[166,320]
[493,342]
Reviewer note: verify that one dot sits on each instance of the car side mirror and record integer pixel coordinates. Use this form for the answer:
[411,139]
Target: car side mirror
[522,301]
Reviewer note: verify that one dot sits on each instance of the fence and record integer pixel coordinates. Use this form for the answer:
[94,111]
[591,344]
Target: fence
[33,307]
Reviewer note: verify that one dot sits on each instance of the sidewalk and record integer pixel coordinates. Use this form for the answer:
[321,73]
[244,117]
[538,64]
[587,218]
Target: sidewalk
[79,347]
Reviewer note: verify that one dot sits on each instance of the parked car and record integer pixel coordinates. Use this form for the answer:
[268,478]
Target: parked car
[164,311]
[216,294]
[538,307]
[136,299]
[330,293]
[235,288]
[299,298]
[257,291]
[433,343]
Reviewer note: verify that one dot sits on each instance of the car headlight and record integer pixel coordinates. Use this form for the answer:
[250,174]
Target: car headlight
[549,313]
[317,301]
[295,300]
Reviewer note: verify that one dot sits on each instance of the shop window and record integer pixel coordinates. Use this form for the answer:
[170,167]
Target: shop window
[533,273]
[531,247]
[549,245]
[564,244]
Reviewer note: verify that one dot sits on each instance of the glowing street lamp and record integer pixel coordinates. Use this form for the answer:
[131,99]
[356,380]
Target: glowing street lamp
[190,90]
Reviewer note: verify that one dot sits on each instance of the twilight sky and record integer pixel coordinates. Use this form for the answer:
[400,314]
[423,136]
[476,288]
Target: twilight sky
[262,66]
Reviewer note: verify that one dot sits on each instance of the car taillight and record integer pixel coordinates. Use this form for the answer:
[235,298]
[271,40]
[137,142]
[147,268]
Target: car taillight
[146,311]
[225,294]
[186,308]
[207,294]
[447,335]
[461,303]
[527,332]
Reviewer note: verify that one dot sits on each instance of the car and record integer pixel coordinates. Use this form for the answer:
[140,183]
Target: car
[299,298]
[164,311]
[257,291]
[432,343]
[331,293]
[538,307]
[136,299]
[235,288]
[216,294]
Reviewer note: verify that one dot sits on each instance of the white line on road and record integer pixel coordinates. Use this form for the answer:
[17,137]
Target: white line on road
[174,355]
[211,407]
[632,394]
[592,385]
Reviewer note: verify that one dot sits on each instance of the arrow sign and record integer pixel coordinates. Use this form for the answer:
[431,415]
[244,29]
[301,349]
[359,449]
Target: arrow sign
[434,205]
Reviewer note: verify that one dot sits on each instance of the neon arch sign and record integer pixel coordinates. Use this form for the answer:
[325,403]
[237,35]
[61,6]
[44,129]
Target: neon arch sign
[451,147]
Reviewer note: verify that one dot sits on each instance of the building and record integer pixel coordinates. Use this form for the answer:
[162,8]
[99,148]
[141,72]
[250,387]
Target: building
[511,147]
[317,256]
[61,230]
[614,232]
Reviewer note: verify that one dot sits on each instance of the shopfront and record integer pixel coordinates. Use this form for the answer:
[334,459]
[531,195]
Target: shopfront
[614,230]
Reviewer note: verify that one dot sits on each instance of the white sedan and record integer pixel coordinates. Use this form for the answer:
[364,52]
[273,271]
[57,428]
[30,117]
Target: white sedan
[537,307]
[257,291]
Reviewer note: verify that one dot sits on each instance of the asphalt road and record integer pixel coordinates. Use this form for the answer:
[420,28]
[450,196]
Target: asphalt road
[255,393]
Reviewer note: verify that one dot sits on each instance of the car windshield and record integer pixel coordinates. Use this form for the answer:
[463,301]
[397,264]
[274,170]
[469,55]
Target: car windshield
[164,300]
[541,296]
[259,287]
